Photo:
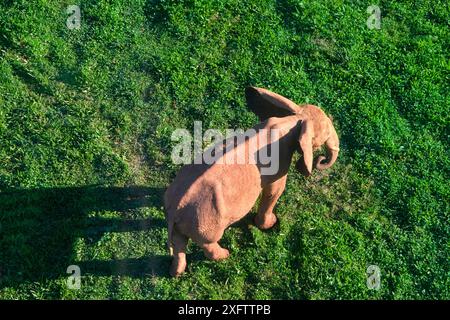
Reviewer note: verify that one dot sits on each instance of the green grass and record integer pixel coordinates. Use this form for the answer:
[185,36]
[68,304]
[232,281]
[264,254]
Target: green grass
[86,118]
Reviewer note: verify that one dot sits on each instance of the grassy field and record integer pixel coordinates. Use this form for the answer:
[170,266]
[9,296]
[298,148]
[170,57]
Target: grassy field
[86,118]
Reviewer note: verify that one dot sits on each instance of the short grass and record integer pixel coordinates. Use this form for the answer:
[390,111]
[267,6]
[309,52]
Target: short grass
[86,118]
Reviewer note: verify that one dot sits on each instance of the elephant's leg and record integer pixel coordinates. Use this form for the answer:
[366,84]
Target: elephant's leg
[265,218]
[214,251]
[179,243]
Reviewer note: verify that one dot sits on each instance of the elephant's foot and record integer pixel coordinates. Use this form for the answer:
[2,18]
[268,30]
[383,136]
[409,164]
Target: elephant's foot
[178,265]
[214,251]
[266,221]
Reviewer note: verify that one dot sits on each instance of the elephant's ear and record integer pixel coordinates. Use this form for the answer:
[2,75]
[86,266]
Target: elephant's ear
[305,141]
[266,104]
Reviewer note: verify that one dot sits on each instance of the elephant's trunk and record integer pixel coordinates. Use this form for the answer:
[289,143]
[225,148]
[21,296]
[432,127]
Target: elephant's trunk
[332,145]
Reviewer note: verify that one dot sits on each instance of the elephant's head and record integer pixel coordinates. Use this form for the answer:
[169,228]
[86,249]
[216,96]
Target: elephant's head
[316,128]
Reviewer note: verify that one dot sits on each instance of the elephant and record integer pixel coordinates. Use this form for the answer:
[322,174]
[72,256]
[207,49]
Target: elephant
[205,199]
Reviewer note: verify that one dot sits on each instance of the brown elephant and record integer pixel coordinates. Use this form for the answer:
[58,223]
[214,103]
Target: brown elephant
[204,199]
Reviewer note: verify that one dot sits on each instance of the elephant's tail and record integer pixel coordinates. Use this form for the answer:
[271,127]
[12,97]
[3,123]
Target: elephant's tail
[170,223]
[169,236]
[170,218]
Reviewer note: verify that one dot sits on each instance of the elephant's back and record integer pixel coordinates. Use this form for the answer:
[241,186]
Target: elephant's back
[186,179]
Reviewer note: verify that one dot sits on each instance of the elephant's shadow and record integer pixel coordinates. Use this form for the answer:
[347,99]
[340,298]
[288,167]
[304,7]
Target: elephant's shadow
[39,227]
